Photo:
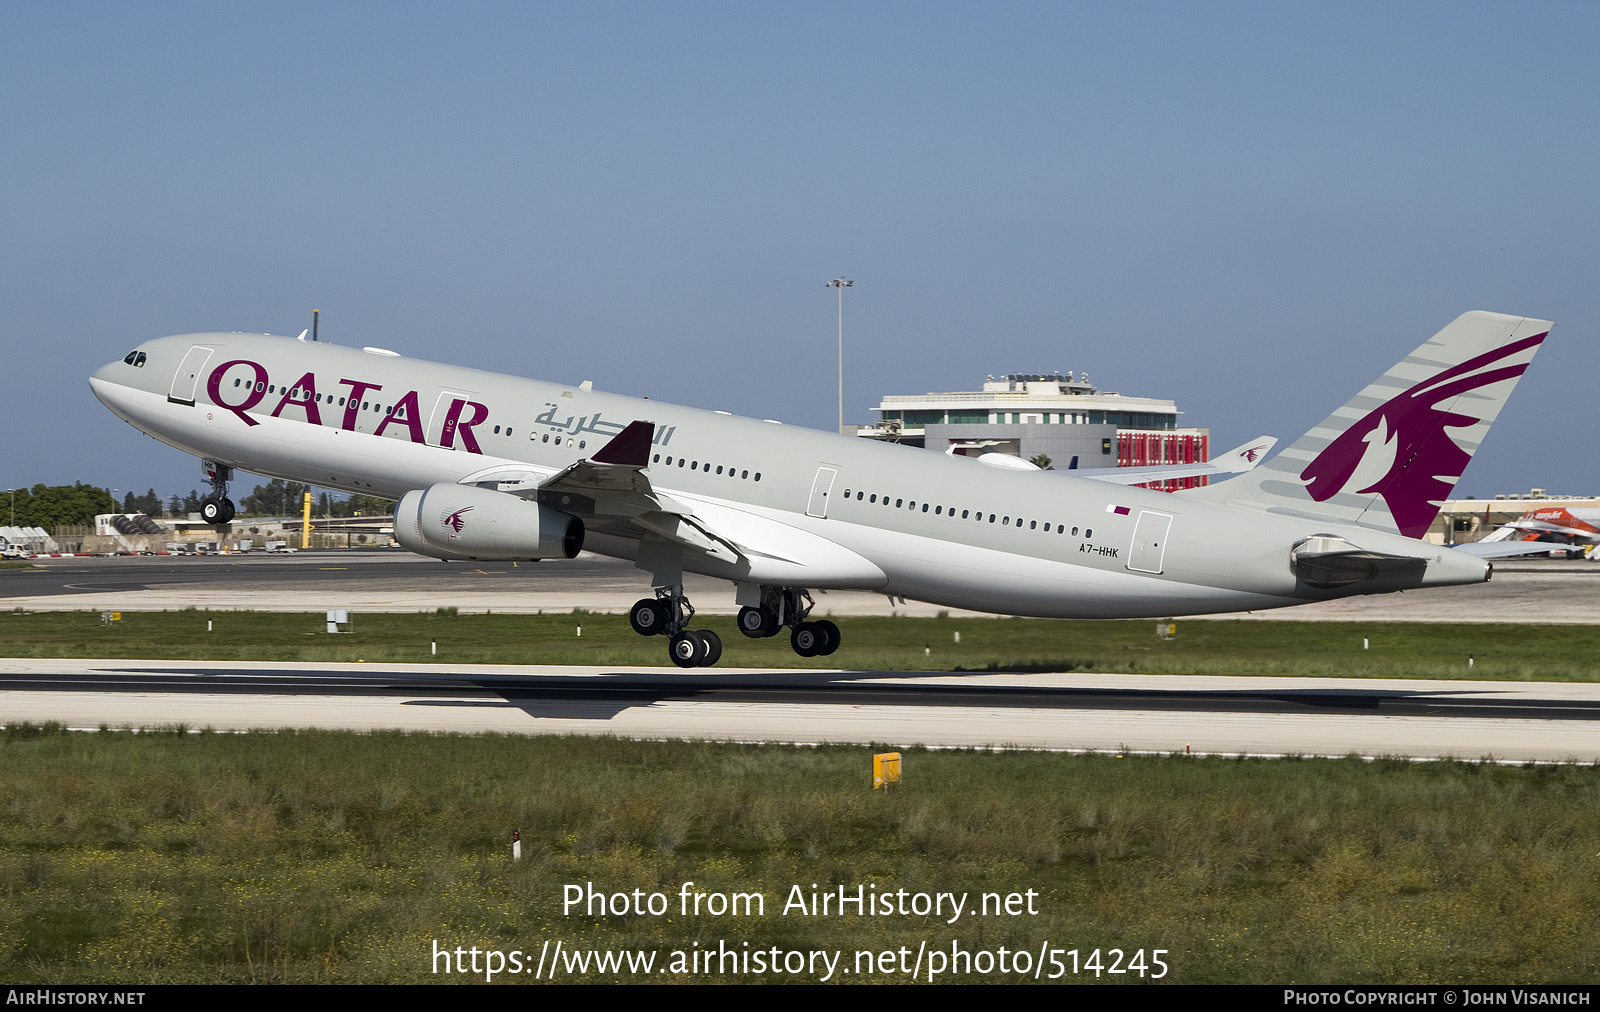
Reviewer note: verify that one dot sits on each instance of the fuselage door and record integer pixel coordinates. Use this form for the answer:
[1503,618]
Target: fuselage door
[187,379]
[446,417]
[1149,541]
[818,506]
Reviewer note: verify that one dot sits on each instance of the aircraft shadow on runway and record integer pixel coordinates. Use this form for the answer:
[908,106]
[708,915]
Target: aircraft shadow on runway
[603,696]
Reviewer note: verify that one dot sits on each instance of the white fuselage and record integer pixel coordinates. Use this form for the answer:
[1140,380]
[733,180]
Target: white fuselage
[814,509]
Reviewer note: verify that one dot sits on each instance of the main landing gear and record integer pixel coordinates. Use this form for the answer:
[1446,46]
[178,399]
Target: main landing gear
[669,613]
[789,606]
[217,509]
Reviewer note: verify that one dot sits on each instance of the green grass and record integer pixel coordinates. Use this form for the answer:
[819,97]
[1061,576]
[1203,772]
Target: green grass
[1397,650]
[333,856]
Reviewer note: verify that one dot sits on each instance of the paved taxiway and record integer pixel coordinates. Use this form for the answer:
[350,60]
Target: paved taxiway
[1531,590]
[1514,721]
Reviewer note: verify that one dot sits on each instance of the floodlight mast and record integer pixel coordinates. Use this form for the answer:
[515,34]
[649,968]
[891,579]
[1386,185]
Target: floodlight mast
[841,284]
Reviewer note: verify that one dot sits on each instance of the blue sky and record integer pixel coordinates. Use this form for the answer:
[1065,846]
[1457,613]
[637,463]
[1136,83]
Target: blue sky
[1251,209]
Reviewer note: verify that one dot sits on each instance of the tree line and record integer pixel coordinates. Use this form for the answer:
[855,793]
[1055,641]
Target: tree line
[52,506]
[279,498]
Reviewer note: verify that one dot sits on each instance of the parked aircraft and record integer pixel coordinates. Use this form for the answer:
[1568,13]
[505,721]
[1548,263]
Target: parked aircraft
[1573,530]
[487,466]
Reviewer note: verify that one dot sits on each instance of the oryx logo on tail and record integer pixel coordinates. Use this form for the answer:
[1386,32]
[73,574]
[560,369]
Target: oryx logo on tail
[1401,451]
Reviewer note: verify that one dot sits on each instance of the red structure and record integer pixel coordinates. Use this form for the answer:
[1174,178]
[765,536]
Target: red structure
[1152,448]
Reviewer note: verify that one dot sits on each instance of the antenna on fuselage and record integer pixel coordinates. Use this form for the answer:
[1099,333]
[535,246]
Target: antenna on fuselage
[314,313]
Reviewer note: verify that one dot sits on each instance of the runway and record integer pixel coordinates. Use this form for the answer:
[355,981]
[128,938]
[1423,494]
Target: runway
[1272,716]
[1106,712]
[1523,590]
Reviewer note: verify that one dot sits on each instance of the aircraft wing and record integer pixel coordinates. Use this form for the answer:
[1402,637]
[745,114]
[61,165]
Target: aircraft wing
[612,493]
[1235,461]
[612,488]
[1541,527]
[612,483]
[616,469]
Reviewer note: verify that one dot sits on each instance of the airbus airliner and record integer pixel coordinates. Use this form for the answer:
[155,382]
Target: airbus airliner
[494,467]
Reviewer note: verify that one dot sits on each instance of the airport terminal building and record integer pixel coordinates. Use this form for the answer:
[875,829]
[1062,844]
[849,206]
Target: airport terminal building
[1060,416]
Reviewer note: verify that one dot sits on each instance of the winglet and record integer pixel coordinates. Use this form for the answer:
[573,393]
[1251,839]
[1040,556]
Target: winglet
[630,447]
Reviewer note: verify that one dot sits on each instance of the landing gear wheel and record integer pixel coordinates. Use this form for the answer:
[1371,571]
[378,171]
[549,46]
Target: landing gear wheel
[217,511]
[830,635]
[713,644]
[757,622]
[807,640]
[687,650]
[649,616]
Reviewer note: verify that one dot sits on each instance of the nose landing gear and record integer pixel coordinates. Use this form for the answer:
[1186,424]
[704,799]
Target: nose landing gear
[217,509]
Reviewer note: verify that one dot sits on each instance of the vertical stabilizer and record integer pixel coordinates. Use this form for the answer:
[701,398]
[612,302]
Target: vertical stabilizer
[1394,452]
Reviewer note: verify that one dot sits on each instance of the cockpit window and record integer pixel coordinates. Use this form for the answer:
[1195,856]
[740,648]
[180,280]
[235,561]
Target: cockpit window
[139,362]
[135,358]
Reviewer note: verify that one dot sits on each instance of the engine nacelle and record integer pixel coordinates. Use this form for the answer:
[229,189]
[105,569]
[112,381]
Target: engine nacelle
[460,522]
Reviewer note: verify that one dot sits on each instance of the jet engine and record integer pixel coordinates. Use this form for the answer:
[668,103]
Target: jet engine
[448,521]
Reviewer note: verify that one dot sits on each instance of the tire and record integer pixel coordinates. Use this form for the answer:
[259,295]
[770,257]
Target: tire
[756,622]
[648,617]
[686,649]
[830,635]
[713,644]
[211,511]
[806,639]
[228,511]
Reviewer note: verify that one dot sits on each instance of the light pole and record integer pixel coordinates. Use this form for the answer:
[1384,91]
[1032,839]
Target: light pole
[841,284]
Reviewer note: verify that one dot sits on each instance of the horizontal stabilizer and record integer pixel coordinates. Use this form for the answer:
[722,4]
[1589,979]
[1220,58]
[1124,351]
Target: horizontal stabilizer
[1505,549]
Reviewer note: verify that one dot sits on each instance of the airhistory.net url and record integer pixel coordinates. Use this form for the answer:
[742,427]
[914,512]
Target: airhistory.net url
[556,961]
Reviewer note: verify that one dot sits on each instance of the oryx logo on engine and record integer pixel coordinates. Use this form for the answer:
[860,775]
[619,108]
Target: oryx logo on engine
[455,520]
